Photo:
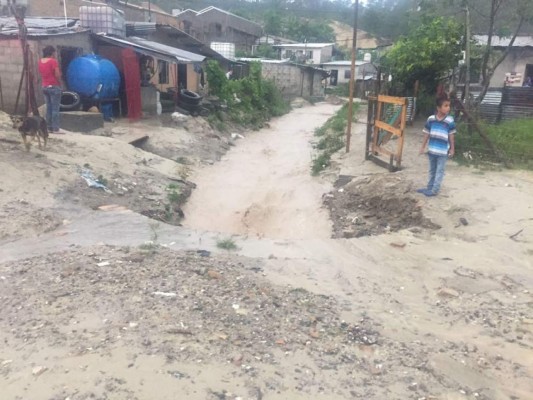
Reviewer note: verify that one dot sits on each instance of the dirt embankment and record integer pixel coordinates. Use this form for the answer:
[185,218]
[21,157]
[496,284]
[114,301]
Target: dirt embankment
[151,180]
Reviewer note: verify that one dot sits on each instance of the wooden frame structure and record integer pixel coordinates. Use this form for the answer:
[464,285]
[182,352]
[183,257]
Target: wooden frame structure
[379,131]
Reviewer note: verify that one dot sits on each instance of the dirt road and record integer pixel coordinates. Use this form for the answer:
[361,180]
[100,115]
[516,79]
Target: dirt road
[410,312]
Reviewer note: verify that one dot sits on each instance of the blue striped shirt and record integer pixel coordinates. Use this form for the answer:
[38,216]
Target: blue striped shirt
[439,134]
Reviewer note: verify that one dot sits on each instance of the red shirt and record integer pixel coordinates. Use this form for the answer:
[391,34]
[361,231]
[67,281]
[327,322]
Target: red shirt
[47,71]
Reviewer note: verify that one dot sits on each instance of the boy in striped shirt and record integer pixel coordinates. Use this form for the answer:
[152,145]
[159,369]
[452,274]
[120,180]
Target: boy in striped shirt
[440,133]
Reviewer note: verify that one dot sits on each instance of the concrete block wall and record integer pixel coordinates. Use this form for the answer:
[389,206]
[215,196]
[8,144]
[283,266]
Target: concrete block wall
[286,77]
[292,80]
[11,65]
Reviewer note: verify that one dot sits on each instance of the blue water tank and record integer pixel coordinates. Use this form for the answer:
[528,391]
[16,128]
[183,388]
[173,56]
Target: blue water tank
[94,77]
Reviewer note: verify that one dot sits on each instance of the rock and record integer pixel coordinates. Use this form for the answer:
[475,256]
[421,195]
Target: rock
[448,292]
[463,221]
[398,245]
[214,274]
[39,370]
[299,103]
[179,118]
[165,294]
[314,334]
[280,342]
[103,264]
[203,253]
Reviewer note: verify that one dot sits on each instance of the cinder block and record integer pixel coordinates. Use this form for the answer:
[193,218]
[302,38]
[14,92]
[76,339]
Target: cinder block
[80,121]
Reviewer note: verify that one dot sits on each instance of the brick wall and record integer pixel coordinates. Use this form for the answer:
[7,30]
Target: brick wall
[11,64]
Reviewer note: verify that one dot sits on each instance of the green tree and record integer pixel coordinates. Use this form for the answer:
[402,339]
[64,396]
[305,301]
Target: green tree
[426,54]
[273,22]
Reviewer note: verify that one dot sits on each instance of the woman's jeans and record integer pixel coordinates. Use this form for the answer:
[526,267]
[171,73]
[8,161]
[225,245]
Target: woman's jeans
[436,172]
[52,96]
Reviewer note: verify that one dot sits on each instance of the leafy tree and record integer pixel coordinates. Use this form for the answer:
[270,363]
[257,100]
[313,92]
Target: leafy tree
[426,54]
[273,22]
[266,51]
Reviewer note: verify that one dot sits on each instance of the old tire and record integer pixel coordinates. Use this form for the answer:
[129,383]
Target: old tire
[70,101]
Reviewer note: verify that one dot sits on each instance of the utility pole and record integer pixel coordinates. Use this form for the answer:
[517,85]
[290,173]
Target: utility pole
[352,78]
[467,55]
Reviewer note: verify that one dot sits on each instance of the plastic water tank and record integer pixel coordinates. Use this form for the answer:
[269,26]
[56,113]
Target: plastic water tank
[93,77]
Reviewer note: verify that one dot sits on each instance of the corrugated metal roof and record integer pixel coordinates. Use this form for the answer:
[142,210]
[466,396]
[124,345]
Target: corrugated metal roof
[500,41]
[345,63]
[40,26]
[304,45]
[154,49]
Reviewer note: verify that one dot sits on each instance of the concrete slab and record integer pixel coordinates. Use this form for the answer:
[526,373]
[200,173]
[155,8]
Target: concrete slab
[81,121]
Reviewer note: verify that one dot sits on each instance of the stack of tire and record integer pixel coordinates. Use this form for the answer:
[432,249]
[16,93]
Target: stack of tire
[189,101]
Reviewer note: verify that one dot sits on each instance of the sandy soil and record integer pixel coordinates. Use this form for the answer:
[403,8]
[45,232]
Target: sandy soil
[405,311]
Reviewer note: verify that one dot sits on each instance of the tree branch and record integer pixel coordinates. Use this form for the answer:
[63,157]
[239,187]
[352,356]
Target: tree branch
[489,72]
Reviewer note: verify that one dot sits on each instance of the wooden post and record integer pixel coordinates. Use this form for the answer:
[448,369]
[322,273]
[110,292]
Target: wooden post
[352,79]
[399,149]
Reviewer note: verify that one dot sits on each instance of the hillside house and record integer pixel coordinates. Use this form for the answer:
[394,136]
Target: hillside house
[517,66]
[306,53]
[213,24]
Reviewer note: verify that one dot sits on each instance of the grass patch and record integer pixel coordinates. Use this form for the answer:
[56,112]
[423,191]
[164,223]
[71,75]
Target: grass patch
[332,138]
[174,193]
[183,160]
[513,138]
[341,90]
[227,244]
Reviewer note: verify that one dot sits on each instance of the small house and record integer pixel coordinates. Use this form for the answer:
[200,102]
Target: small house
[66,36]
[213,24]
[517,66]
[306,53]
[341,71]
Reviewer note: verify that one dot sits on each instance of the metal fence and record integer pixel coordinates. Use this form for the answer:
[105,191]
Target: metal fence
[504,104]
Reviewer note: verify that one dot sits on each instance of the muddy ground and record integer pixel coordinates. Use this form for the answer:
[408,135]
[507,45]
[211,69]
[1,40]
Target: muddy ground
[373,206]
[337,288]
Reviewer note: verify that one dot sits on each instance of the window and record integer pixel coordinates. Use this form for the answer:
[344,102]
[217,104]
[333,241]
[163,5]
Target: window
[347,74]
[162,68]
[309,55]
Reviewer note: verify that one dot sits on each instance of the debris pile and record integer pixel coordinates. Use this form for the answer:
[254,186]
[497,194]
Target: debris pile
[374,205]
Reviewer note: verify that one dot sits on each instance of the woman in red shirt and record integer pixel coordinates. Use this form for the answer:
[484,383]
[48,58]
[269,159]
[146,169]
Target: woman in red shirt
[51,82]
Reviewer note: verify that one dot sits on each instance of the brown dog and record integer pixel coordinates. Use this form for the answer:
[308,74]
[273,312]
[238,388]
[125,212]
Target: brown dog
[31,126]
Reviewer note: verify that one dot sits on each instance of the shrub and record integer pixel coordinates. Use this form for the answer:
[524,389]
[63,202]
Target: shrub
[251,100]
[331,136]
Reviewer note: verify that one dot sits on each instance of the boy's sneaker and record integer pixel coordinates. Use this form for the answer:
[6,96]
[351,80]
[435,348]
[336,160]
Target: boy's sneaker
[430,193]
[421,190]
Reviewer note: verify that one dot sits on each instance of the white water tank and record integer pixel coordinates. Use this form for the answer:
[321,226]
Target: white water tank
[225,49]
[367,57]
[103,19]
